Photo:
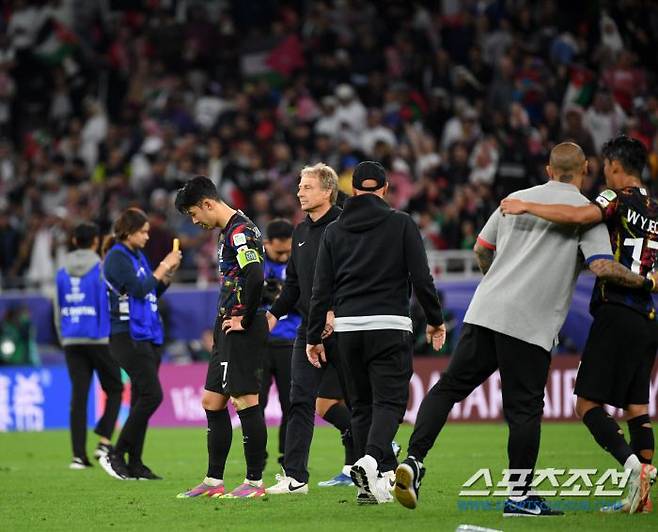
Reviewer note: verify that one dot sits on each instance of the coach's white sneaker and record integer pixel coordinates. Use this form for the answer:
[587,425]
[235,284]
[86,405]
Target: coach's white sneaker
[382,491]
[639,486]
[390,478]
[370,485]
[285,485]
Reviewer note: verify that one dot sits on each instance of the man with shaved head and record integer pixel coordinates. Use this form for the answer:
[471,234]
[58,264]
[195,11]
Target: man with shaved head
[621,347]
[566,159]
[530,268]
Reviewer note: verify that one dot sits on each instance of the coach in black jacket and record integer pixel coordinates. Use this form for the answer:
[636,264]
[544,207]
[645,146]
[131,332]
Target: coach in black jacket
[318,190]
[368,260]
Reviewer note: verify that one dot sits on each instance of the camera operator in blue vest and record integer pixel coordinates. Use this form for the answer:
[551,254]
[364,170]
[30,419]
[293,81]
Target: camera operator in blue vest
[136,334]
[82,319]
[278,246]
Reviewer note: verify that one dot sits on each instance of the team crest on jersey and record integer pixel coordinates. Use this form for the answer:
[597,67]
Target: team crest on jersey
[605,197]
[239,239]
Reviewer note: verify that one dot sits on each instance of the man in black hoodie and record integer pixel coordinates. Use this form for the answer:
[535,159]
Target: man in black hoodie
[368,261]
[310,386]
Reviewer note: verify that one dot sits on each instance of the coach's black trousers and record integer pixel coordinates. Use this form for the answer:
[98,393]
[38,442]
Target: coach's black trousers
[141,360]
[523,373]
[277,367]
[82,360]
[377,367]
[304,388]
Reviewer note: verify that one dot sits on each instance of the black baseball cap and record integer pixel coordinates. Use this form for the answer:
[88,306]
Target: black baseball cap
[368,170]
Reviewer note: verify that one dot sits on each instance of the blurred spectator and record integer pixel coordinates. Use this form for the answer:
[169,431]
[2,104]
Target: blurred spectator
[604,119]
[17,338]
[160,238]
[574,129]
[376,132]
[484,162]
[9,245]
[200,351]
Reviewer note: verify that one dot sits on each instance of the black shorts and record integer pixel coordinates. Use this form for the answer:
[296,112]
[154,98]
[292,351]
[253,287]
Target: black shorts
[236,363]
[617,360]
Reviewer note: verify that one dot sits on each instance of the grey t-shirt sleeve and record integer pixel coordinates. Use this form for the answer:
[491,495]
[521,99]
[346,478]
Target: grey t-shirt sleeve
[489,233]
[595,243]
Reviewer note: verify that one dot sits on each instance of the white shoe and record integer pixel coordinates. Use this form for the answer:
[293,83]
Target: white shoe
[366,477]
[383,490]
[79,463]
[115,467]
[639,485]
[390,477]
[285,485]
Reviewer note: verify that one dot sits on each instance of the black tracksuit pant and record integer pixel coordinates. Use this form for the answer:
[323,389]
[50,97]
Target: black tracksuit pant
[377,366]
[277,366]
[141,360]
[523,373]
[305,385]
[82,360]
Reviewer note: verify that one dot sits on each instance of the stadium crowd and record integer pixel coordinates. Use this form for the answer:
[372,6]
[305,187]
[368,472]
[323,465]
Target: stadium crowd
[105,105]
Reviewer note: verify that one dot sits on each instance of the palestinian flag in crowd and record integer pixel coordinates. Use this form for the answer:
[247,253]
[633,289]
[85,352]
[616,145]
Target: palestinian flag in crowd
[54,42]
[581,87]
[274,58]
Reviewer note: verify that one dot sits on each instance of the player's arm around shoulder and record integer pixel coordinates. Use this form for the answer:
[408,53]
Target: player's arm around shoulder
[556,213]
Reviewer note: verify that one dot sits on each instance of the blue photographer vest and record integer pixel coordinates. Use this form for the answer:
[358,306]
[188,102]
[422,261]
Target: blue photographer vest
[286,327]
[142,313]
[84,309]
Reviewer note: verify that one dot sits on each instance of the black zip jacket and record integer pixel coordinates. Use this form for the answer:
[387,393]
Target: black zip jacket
[367,263]
[296,293]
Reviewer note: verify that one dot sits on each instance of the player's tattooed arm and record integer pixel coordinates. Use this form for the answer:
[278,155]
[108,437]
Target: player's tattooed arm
[615,272]
[484,256]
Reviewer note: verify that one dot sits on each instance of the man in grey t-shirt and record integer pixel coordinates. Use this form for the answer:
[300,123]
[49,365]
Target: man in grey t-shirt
[530,268]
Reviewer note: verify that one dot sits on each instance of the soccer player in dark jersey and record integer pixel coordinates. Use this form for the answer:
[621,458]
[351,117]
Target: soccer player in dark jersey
[240,336]
[621,347]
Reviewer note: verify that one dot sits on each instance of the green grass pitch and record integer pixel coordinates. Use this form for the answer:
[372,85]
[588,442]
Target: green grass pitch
[39,492]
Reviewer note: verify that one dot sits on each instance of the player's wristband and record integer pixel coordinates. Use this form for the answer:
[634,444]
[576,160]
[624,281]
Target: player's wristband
[649,284]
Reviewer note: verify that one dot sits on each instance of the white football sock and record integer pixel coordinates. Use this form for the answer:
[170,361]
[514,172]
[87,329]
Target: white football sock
[633,463]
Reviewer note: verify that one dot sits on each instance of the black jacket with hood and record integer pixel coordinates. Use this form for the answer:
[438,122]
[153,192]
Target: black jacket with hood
[368,261]
[296,293]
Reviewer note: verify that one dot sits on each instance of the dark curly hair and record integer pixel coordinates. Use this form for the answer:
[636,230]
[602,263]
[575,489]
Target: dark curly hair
[629,152]
[194,192]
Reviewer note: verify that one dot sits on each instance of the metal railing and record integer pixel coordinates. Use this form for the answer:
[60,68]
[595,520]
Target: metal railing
[453,264]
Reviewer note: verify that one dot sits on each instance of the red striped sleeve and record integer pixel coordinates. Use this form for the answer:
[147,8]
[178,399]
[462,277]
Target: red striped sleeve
[486,244]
